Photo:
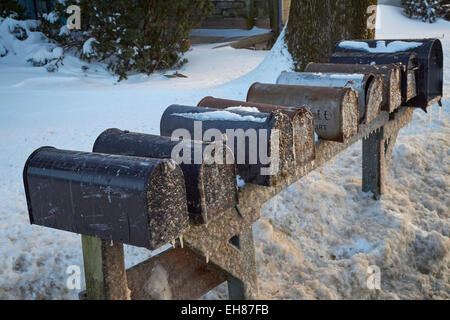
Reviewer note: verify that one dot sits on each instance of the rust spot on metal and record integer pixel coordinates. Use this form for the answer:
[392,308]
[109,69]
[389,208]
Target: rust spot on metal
[335,110]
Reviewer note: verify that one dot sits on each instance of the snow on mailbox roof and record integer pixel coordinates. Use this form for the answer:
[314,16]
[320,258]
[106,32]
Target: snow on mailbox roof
[392,47]
[241,108]
[220,115]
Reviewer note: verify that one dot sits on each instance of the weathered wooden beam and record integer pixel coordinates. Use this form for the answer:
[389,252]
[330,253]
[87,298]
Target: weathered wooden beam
[176,274]
[104,268]
[233,23]
[374,164]
[245,288]
[246,42]
[252,41]
[250,195]
[377,152]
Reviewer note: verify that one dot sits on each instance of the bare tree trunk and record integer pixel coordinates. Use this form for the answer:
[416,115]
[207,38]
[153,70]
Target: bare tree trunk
[315,26]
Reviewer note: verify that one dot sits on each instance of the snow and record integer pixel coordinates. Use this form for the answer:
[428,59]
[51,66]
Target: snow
[157,286]
[43,56]
[392,47]
[315,240]
[51,17]
[221,115]
[243,109]
[240,181]
[64,31]
[88,50]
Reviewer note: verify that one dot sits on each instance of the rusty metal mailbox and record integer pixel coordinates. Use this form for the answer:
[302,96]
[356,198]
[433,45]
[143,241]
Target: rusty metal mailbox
[210,185]
[301,117]
[390,73]
[335,110]
[132,200]
[262,143]
[368,86]
[429,55]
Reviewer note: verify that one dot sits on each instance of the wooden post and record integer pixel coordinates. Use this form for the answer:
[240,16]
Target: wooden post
[275,15]
[247,288]
[104,268]
[373,168]
[377,152]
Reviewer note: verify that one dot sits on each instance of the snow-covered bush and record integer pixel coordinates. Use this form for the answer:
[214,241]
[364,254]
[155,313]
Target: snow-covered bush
[12,30]
[20,41]
[43,57]
[138,35]
[427,10]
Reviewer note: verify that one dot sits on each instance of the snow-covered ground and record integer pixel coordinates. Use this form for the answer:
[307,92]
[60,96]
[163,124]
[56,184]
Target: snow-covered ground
[316,240]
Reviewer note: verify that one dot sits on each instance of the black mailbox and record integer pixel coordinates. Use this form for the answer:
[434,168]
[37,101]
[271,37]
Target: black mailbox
[430,72]
[407,62]
[132,200]
[210,186]
[248,133]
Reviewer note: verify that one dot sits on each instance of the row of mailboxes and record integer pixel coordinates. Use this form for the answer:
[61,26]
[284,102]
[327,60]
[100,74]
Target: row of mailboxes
[421,59]
[144,190]
[129,189]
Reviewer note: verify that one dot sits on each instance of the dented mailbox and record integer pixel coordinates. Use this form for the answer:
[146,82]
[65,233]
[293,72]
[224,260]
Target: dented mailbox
[132,200]
[210,185]
[368,86]
[390,73]
[301,117]
[262,143]
[429,56]
[335,110]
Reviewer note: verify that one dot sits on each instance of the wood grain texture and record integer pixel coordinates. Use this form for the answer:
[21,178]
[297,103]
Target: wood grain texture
[104,268]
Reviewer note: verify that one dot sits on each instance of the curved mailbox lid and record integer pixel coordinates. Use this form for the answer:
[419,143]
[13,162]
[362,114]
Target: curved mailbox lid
[335,109]
[358,81]
[132,200]
[301,117]
[250,135]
